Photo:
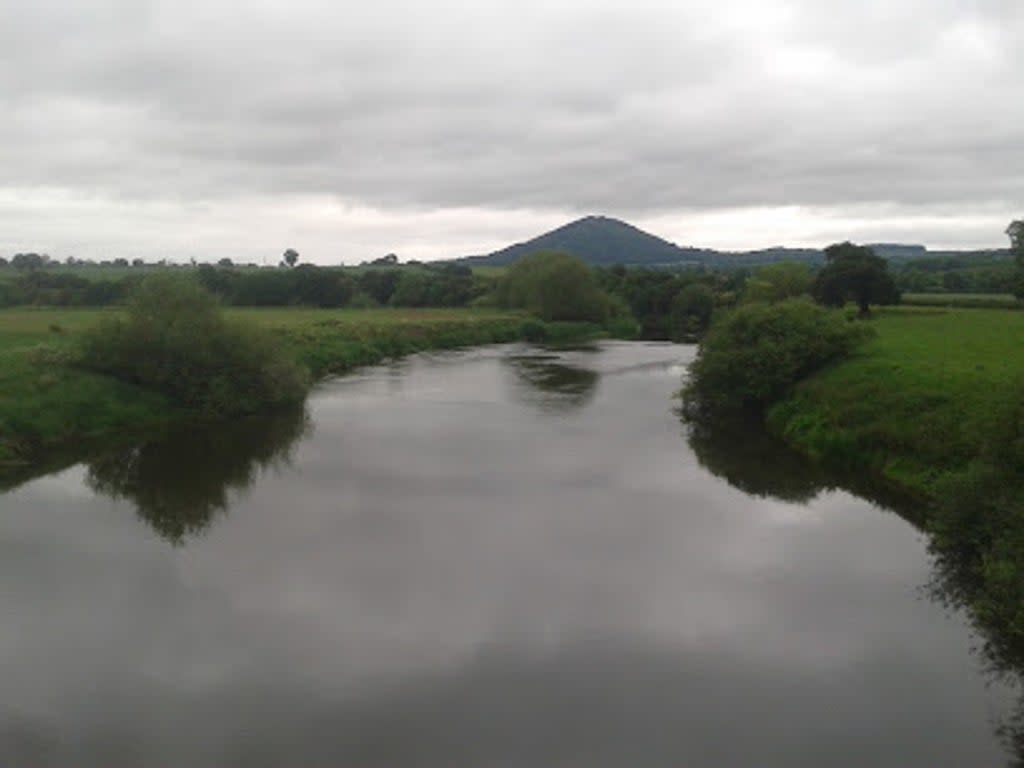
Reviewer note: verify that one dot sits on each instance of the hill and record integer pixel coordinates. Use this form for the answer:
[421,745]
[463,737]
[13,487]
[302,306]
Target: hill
[603,241]
[600,241]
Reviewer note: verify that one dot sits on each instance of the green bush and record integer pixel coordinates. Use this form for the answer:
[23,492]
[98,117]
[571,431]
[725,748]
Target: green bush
[755,354]
[555,286]
[979,529]
[175,340]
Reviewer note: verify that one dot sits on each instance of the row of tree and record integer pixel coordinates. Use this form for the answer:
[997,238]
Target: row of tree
[554,286]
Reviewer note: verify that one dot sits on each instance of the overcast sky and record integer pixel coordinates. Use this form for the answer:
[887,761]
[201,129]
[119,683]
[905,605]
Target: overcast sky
[346,130]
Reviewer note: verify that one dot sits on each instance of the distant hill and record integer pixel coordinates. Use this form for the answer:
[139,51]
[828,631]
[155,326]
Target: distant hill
[603,242]
[600,241]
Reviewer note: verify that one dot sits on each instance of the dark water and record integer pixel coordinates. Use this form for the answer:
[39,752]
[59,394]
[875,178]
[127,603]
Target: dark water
[492,558]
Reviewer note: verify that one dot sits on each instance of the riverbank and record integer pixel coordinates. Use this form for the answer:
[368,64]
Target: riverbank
[51,410]
[915,404]
[934,406]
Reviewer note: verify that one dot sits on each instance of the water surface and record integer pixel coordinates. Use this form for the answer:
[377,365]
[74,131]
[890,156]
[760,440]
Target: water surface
[499,557]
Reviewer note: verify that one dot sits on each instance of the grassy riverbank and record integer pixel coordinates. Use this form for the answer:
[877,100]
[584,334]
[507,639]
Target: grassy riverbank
[934,405]
[917,402]
[51,409]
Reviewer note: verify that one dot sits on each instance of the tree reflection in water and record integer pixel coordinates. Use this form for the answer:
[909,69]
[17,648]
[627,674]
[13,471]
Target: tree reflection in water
[551,385]
[747,457]
[180,481]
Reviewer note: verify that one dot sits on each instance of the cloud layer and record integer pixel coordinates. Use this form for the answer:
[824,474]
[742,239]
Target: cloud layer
[129,123]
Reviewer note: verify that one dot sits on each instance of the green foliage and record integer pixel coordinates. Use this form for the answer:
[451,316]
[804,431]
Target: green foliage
[962,300]
[1015,231]
[533,331]
[53,410]
[175,340]
[691,311]
[855,272]
[651,296]
[554,286]
[755,354]
[778,282]
[961,274]
[978,526]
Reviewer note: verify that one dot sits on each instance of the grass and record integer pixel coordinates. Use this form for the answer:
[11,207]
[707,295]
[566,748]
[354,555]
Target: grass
[335,341]
[46,401]
[962,300]
[48,404]
[916,402]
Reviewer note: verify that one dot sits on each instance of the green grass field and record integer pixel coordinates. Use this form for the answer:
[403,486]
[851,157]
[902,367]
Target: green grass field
[963,300]
[47,403]
[916,402]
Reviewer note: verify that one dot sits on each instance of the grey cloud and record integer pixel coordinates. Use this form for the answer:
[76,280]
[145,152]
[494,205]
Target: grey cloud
[572,106]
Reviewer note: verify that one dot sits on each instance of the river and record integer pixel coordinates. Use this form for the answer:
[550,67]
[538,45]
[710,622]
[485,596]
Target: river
[497,557]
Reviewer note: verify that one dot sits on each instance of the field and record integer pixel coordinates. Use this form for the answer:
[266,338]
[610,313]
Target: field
[48,405]
[918,401]
[963,300]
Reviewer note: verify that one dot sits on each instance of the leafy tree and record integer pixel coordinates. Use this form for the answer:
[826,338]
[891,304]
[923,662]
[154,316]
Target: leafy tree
[226,262]
[378,284]
[290,257]
[27,261]
[855,272]
[555,286]
[1016,234]
[691,311]
[778,282]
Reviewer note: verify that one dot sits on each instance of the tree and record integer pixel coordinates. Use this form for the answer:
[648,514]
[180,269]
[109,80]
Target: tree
[291,256]
[778,282]
[226,262]
[554,286]
[1016,234]
[855,272]
[691,311]
[27,261]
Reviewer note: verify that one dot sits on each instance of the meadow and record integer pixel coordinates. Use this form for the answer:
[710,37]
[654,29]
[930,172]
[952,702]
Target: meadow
[915,403]
[963,300]
[50,406]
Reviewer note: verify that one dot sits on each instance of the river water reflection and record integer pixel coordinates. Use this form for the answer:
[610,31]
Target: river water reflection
[501,556]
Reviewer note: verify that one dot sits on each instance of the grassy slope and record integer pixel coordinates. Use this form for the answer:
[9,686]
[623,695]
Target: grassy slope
[914,403]
[47,405]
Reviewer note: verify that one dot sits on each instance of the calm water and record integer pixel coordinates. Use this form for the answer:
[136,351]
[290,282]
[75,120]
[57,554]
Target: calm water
[493,558]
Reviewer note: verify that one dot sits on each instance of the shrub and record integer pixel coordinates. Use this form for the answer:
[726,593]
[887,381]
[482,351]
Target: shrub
[175,340]
[555,286]
[755,354]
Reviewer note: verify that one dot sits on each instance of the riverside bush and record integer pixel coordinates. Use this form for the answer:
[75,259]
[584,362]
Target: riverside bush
[556,287]
[176,340]
[754,355]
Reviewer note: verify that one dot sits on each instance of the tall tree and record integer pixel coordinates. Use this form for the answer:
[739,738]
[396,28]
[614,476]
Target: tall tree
[857,273]
[291,256]
[1016,234]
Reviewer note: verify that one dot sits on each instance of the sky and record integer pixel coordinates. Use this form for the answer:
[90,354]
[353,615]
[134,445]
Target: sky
[179,129]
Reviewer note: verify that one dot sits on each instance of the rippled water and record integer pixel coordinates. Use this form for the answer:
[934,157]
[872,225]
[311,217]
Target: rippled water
[503,556]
